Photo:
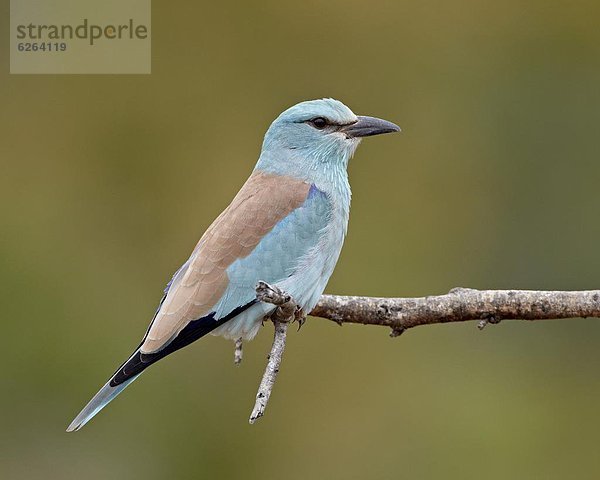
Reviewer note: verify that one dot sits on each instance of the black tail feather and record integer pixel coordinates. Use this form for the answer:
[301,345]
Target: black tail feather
[194,330]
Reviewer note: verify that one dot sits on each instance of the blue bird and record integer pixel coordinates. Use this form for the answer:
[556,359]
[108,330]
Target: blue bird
[286,226]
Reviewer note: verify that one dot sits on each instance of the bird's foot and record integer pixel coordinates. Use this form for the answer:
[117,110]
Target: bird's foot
[271,294]
[286,305]
[300,317]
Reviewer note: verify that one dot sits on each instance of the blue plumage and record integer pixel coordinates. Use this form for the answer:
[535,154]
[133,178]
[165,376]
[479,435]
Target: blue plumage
[276,256]
[286,226]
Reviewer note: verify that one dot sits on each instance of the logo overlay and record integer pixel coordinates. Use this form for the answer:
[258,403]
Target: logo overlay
[80,36]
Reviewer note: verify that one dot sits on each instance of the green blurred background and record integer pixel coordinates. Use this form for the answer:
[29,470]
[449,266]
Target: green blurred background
[108,181]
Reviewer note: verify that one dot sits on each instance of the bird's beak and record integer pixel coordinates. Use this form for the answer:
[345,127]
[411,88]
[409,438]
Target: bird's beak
[368,126]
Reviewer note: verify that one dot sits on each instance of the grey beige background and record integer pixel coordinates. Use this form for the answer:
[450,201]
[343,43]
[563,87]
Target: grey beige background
[108,181]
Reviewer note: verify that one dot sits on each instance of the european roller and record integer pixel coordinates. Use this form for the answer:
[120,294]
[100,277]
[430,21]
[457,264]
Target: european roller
[286,226]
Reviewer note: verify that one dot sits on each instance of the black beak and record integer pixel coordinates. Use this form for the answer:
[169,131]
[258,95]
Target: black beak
[368,126]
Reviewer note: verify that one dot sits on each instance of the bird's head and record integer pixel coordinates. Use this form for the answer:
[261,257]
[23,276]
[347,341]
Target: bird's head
[314,133]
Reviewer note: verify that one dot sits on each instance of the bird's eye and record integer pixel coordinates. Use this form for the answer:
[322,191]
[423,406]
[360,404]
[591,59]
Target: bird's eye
[319,123]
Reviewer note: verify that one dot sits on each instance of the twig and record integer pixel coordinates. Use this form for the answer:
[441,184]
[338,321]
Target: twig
[238,353]
[459,305]
[400,314]
[281,317]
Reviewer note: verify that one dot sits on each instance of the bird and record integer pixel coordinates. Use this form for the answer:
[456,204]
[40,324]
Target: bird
[286,226]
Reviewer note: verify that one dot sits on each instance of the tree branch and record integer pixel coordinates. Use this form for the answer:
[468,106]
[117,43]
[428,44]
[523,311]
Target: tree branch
[400,314]
[285,312]
[459,305]
[238,352]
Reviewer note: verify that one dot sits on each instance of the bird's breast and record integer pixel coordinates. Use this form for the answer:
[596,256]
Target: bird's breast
[314,269]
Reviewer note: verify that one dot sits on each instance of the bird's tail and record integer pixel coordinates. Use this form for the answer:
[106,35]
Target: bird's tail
[106,394]
[139,361]
[115,385]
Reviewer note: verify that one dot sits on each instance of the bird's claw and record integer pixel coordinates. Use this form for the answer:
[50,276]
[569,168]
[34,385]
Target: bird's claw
[300,317]
[271,294]
[286,306]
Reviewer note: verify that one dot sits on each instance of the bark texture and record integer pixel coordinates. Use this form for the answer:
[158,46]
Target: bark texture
[285,313]
[458,305]
[400,314]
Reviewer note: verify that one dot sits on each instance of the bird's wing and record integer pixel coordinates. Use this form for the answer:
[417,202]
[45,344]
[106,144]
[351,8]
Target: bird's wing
[272,222]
